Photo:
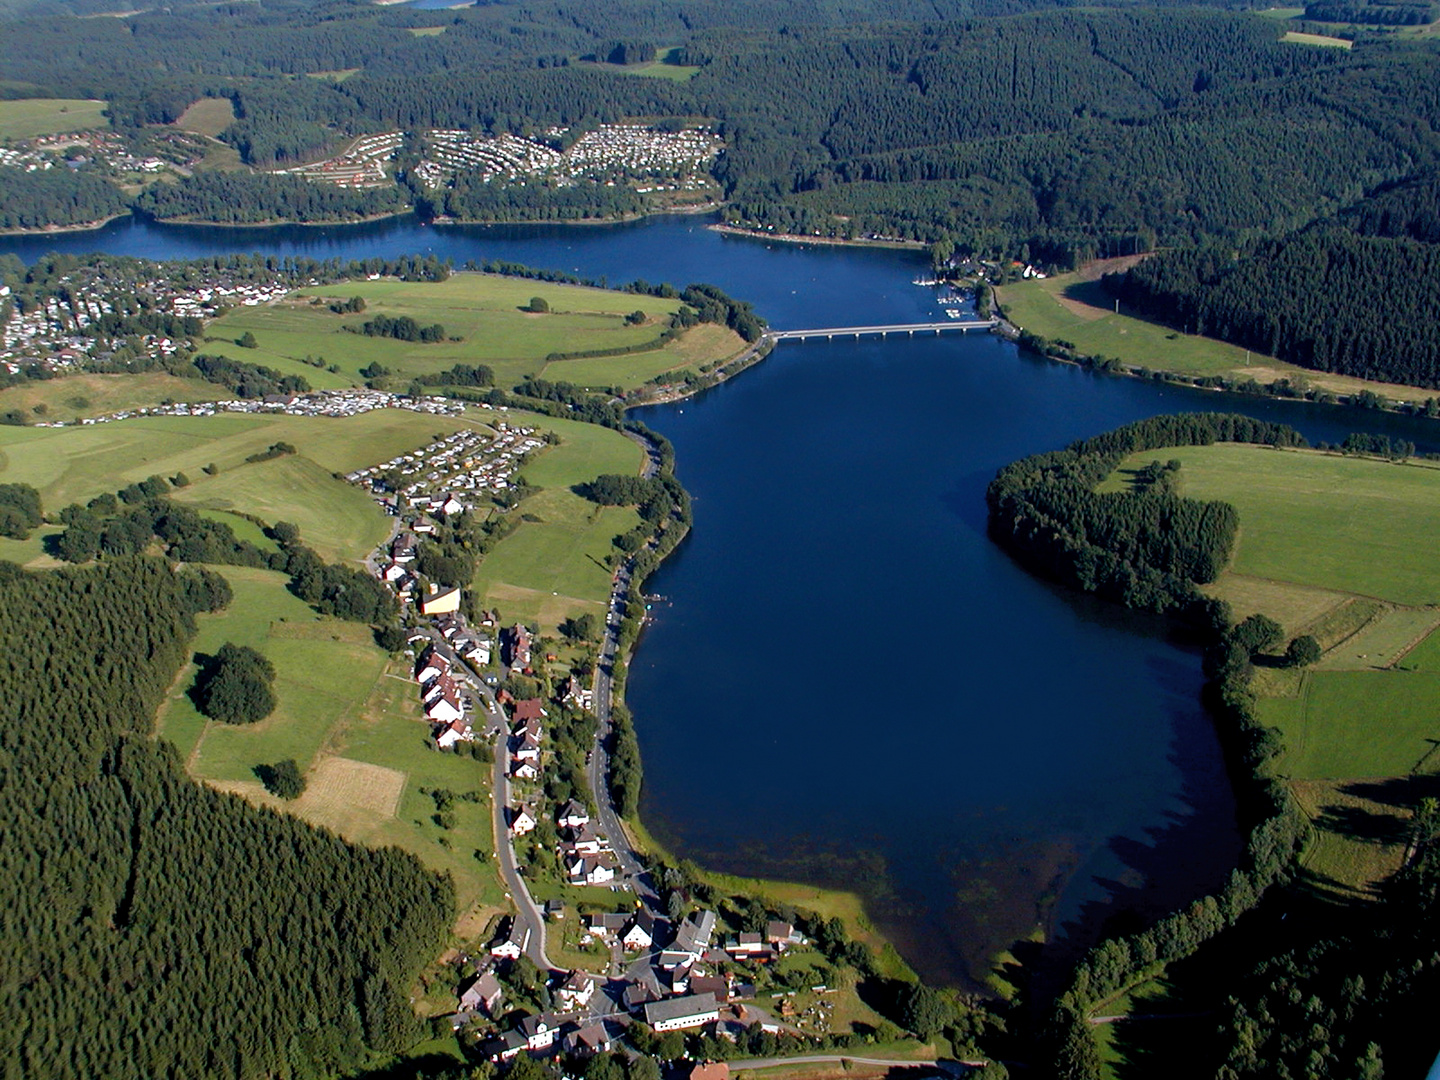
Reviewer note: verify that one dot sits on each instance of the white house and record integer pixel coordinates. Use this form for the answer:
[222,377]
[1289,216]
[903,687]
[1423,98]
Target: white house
[573,815]
[674,1014]
[513,946]
[454,732]
[576,991]
[641,933]
[591,869]
[525,770]
[522,820]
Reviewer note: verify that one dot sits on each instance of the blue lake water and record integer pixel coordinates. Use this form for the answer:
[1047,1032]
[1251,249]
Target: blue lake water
[846,682]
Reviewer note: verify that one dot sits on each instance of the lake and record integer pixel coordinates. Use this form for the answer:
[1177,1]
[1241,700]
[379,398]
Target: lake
[845,682]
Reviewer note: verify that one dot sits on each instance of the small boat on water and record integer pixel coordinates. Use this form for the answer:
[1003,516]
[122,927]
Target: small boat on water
[924,281]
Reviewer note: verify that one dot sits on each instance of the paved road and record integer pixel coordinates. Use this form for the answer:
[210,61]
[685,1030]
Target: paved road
[837,1059]
[487,714]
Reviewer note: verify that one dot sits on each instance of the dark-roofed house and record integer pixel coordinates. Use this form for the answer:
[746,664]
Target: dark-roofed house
[540,1032]
[641,933]
[674,1014]
[528,709]
[606,924]
[711,984]
[512,946]
[576,991]
[782,933]
[573,815]
[587,1040]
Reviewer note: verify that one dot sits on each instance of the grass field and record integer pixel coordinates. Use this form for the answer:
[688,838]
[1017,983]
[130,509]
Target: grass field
[1339,548]
[1076,308]
[74,396]
[655,69]
[77,463]
[484,312]
[554,567]
[29,117]
[208,116]
[1316,39]
[1322,520]
[350,719]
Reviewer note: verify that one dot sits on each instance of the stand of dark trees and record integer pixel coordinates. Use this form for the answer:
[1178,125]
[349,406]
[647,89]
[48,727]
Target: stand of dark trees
[1324,298]
[298,951]
[237,198]
[19,510]
[403,328]
[34,200]
[248,380]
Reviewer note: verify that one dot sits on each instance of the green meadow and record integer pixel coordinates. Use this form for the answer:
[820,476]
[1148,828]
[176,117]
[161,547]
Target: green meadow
[350,718]
[1353,525]
[77,463]
[1340,548]
[483,311]
[31,117]
[553,566]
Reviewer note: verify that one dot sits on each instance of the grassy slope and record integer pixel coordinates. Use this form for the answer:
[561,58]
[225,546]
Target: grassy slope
[75,396]
[1340,548]
[50,116]
[1075,308]
[69,464]
[553,568]
[340,698]
[208,116]
[482,310]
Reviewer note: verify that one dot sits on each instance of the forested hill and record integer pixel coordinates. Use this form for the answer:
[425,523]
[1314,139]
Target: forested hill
[1077,133]
[154,927]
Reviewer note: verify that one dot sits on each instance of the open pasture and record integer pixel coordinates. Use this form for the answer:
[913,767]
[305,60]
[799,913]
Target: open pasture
[207,116]
[77,463]
[1358,724]
[554,567]
[74,396]
[483,311]
[28,118]
[1331,522]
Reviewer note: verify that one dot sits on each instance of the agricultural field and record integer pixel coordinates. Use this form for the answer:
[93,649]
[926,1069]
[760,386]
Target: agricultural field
[553,566]
[1323,520]
[1340,548]
[32,117]
[1076,308]
[1325,40]
[74,396]
[349,717]
[77,463]
[485,313]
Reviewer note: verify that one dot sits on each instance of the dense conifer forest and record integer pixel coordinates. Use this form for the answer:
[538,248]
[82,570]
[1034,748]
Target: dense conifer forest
[153,926]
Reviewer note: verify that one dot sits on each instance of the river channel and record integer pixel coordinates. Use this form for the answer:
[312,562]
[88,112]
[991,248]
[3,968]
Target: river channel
[845,682]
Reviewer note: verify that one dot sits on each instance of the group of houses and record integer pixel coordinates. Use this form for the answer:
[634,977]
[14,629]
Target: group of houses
[677,992]
[442,696]
[333,403]
[607,154]
[448,475]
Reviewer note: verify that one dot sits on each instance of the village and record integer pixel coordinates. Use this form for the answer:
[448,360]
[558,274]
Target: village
[332,403]
[611,153]
[53,332]
[654,969]
[75,149]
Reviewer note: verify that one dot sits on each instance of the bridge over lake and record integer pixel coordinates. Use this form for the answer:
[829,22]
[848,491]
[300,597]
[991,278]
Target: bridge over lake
[911,329]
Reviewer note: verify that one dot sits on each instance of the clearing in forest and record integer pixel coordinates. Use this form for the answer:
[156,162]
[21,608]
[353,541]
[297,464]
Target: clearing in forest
[30,118]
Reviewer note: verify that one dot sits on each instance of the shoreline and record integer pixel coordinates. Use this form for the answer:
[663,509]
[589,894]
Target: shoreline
[825,241]
[62,230]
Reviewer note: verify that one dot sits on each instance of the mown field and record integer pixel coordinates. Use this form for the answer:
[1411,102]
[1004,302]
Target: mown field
[32,117]
[77,463]
[350,718]
[485,313]
[75,396]
[1340,548]
[207,116]
[1076,308]
[553,566]
[1346,524]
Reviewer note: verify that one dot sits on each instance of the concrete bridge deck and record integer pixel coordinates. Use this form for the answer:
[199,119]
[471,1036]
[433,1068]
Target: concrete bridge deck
[910,329]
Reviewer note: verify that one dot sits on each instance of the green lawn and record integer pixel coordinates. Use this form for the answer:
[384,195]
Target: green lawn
[482,310]
[342,703]
[30,117]
[75,396]
[1348,724]
[70,464]
[1346,524]
[207,116]
[552,568]
[1090,323]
